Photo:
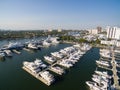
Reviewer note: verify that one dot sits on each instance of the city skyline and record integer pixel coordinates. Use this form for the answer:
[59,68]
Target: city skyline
[53,14]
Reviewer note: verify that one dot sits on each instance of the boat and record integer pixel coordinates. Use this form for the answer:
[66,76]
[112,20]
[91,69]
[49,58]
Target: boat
[103,63]
[45,43]
[49,59]
[8,53]
[32,46]
[57,54]
[103,73]
[57,69]
[2,54]
[12,45]
[47,76]
[92,85]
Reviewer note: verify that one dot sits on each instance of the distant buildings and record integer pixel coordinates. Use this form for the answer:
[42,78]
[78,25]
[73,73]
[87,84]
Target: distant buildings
[95,31]
[59,30]
[113,33]
[74,33]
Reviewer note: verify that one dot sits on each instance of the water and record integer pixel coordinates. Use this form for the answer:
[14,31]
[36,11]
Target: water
[13,77]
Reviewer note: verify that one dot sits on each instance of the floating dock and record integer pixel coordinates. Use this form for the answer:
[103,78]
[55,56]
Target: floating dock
[15,51]
[36,76]
[26,49]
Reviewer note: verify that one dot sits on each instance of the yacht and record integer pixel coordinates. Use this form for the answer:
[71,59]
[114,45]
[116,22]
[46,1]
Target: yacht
[2,54]
[65,63]
[49,59]
[32,46]
[104,63]
[92,85]
[103,73]
[57,54]
[8,53]
[15,45]
[47,76]
[45,43]
[57,69]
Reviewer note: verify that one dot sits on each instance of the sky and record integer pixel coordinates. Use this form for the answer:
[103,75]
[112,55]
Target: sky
[54,14]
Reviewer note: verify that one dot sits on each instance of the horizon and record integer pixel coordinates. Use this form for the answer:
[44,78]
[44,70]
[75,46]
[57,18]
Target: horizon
[63,14]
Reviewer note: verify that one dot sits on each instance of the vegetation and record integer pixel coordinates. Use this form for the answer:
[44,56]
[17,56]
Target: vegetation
[29,34]
[63,36]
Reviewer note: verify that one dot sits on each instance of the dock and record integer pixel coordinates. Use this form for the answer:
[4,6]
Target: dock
[17,52]
[114,70]
[26,49]
[36,76]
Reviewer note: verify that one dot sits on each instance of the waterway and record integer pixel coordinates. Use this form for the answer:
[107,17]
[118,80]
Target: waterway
[13,77]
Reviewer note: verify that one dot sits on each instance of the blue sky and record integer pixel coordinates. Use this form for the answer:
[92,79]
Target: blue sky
[67,14]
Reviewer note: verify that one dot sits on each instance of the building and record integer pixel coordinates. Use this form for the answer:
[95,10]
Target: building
[59,30]
[113,33]
[95,31]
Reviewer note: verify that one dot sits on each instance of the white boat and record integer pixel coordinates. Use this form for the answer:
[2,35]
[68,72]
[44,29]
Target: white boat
[102,73]
[8,52]
[92,85]
[57,69]
[105,53]
[101,77]
[57,54]
[2,54]
[15,45]
[49,59]
[47,76]
[45,43]
[65,63]
[32,46]
[104,63]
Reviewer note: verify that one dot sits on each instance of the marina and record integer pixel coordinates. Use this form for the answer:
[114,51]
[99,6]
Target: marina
[59,45]
[72,56]
[105,64]
[15,64]
[57,61]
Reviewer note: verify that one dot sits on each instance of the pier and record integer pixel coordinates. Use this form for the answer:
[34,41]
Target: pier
[17,52]
[114,70]
[26,49]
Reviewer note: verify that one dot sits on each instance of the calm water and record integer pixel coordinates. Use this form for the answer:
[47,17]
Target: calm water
[13,77]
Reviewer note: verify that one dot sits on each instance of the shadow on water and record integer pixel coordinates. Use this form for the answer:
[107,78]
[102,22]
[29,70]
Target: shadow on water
[2,59]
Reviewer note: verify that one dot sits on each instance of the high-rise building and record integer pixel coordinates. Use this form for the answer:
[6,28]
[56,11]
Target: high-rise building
[113,33]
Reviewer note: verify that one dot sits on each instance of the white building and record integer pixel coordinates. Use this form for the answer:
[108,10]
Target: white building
[93,31]
[113,33]
[59,30]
